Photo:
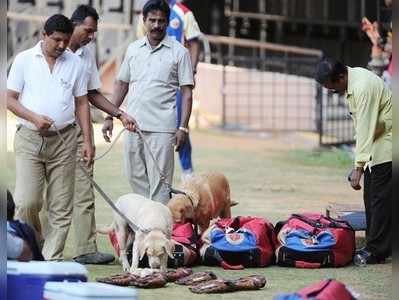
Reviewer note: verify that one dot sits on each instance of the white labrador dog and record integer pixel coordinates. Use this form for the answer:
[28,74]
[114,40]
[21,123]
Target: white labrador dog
[154,237]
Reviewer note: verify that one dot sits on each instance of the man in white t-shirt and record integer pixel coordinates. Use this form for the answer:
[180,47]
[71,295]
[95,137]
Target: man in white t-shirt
[85,19]
[46,86]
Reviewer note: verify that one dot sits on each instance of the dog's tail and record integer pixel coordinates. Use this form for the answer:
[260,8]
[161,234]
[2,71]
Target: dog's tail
[106,229]
[233,203]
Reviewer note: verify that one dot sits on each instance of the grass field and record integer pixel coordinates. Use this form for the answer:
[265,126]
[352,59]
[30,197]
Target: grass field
[270,177]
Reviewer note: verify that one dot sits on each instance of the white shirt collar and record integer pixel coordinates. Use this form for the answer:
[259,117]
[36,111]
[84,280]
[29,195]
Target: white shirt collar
[37,50]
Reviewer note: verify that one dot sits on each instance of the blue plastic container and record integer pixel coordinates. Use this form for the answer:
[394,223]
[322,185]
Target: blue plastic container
[87,291]
[26,280]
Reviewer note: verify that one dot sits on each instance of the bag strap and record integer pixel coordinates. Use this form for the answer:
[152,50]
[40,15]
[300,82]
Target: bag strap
[334,223]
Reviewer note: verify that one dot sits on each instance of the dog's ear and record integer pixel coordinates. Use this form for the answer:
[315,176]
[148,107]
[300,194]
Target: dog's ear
[142,250]
[169,248]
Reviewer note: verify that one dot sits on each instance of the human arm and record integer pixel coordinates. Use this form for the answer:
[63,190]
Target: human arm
[98,100]
[366,130]
[187,101]
[83,116]
[13,104]
[194,50]
[15,85]
[120,90]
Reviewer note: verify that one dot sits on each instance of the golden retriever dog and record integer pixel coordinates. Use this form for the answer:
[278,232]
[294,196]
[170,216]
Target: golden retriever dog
[154,237]
[207,197]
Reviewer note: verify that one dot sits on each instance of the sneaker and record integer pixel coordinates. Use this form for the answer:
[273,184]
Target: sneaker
[363,258]
[95,258]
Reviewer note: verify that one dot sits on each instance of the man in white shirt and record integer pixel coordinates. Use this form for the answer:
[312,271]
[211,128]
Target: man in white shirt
[45,87]
[85,19]
[153,69]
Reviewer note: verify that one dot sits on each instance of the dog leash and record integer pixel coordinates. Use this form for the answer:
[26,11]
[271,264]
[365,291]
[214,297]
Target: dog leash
[133,226]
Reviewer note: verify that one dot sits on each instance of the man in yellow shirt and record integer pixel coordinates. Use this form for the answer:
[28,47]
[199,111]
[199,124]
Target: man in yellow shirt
[370,106]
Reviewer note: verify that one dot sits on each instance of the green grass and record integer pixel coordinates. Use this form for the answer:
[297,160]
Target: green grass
[322,157]
[267,182]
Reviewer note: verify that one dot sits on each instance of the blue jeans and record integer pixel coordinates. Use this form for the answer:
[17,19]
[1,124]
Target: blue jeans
[185,151]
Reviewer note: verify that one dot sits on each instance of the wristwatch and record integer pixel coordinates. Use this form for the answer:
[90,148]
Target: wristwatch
[184,129]
[117,115]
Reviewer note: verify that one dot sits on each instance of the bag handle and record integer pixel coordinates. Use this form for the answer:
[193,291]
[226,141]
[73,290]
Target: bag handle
[334,223]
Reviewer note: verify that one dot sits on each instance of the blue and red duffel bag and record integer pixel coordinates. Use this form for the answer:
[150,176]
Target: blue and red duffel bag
[235,243]
[328,289]
[313,241]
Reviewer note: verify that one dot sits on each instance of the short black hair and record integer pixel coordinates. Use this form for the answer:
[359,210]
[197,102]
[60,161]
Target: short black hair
[329,69]
[152,5]
[82,12]
[59,23]
[10,206]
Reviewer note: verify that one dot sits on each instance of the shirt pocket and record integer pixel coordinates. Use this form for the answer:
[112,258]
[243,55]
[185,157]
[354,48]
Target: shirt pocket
[66,89]
[136,66]
[166,70]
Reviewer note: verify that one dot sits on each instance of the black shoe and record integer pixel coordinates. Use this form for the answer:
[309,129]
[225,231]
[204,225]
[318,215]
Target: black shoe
[95,258]
[364,257]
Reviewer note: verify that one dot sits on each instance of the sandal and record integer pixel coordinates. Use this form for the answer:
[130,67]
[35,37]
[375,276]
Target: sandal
[196,278]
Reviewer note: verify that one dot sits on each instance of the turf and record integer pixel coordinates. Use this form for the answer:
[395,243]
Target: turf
[270,177]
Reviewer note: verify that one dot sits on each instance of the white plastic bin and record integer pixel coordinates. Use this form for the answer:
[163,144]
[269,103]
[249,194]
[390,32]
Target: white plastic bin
[86,291]
[25,280]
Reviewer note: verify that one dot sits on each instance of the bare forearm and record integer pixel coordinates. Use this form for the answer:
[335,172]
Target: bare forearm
[99,101]
[19,110]
[194,49]
[187,101]
[120,90]
[83,116]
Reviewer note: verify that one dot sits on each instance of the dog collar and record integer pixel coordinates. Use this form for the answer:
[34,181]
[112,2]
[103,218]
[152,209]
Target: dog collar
[176,191]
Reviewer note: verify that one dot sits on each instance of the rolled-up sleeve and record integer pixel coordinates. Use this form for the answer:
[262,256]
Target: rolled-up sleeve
[366,123]
[185,69]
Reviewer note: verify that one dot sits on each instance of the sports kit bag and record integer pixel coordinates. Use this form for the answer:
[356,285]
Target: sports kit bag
[312,240]
[328,289]
[235,243]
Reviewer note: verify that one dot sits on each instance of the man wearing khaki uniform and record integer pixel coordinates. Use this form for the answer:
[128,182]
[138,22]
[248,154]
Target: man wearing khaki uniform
[154,67]
[46,87]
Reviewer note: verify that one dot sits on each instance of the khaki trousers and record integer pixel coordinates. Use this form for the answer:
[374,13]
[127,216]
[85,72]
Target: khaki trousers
[83,217]
[40,161]
[140,169]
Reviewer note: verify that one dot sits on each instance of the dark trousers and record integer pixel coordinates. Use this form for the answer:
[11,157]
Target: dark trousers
[378,204]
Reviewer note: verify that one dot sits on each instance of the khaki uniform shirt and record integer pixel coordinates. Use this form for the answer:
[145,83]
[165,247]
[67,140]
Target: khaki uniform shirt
[154,75]
[370,106]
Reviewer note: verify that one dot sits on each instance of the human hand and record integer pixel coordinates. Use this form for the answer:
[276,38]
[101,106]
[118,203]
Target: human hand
[128,122]
[180,138]
[42,122]
[88,152]
[108,126]
[354,178]
[371,29]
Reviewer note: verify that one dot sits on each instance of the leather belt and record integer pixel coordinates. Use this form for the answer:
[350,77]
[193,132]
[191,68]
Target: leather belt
[50,133]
